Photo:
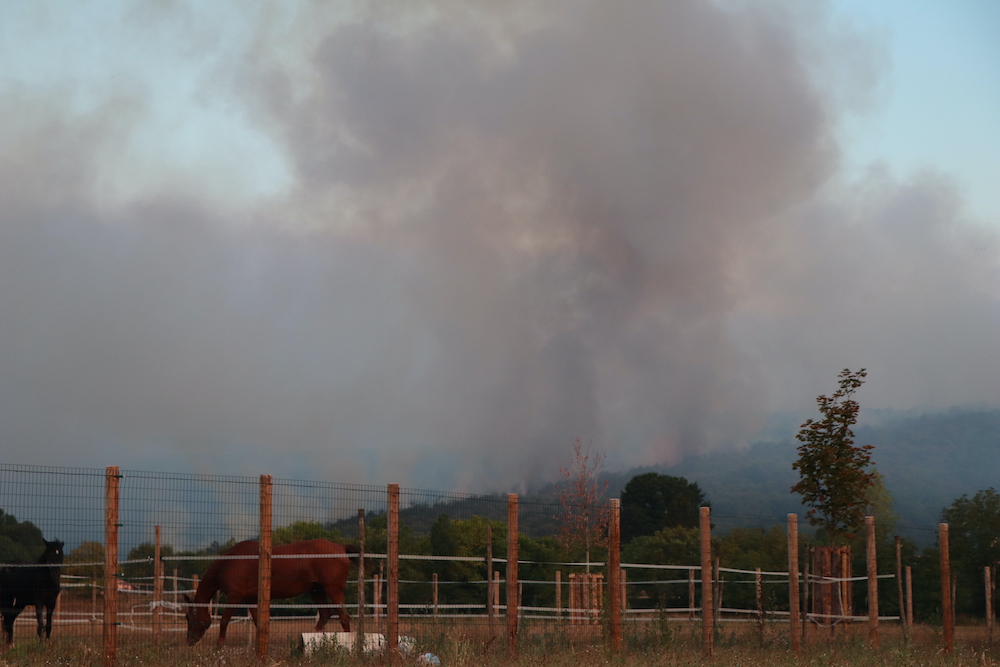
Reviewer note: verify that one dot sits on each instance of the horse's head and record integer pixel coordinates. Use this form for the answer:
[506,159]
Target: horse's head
[53,552]
[198,620]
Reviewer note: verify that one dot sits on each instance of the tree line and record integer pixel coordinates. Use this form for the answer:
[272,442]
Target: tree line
[659,525]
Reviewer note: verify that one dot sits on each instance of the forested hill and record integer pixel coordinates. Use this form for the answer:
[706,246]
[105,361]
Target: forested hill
[927,462]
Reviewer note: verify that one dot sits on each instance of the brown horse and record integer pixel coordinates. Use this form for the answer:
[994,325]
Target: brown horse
[316,573]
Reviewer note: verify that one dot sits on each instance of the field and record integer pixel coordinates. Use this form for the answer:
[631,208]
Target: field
[666,643]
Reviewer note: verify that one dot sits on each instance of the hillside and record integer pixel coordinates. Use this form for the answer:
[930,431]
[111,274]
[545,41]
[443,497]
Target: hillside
[927,462]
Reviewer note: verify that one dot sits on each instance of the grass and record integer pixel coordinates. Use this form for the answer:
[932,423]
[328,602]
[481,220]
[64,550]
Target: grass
[653,645]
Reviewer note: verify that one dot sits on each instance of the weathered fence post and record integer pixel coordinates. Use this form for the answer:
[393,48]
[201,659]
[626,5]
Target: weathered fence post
[392,592]
[946,611]
[899,584]
[794,615]
[377,599]
[614,570]
[707,608]
[264,568]
[988,580]
[909,598]
[112,477]
[434,594]
[490,621]
[758,589]
[157,589]
[512,601]
[872,568]
[559,597]
[624,582]
[691,596]
[360,626]
[716,590]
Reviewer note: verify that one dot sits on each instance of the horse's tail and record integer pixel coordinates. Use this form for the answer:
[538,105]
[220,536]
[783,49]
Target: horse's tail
[353,553]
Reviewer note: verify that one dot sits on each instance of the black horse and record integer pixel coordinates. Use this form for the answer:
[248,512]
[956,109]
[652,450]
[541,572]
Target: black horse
[31,584]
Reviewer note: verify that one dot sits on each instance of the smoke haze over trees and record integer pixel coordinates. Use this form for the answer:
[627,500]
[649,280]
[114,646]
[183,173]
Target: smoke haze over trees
[426,245]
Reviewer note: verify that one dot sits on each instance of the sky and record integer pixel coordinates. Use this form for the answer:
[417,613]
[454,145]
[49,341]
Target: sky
[432,242]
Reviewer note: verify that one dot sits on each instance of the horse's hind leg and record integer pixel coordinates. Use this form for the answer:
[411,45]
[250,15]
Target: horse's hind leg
[8,624]
[320,600]
[337,597]
[8,611]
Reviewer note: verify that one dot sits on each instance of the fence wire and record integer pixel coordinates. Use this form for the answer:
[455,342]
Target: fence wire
[453,565]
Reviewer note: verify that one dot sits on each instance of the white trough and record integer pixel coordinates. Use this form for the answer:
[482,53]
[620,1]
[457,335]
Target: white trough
[373,641]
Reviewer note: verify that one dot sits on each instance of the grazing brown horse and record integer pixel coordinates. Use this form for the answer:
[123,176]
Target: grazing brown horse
[316,573]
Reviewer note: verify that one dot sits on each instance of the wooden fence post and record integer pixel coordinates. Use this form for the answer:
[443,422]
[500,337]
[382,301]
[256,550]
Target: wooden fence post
[434,594]
[691,596]
[990,613]
[758,589]
[490,609]
[377,599]
[512,599]
[899,583]
[909,598]
[716,590]
[559,597]
[157,589]
[794,614]
[872,568]
[946,610]
[988,581]
[624,587]
[614,570]
[707,608]
[392,578]
[264,568]
[360,625]
[112,477]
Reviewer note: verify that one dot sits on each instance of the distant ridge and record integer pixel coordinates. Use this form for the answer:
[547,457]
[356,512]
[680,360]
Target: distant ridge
[927,462]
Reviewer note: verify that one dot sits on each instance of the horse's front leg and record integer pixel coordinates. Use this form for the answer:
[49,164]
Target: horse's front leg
[39,608]
[49,610]
[224,623]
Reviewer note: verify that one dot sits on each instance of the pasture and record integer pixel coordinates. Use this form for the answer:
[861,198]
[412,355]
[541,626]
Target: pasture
[441,568]
[676,645]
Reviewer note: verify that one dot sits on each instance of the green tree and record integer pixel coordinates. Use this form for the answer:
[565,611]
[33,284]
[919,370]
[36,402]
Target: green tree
[748,549]
[652,502]
[835,480]
[974,543]
[83,567]
[20,541]
[676,545]
[300,531]
[139,569]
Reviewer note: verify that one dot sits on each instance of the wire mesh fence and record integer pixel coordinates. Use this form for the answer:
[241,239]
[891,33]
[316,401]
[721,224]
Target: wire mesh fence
[431,562]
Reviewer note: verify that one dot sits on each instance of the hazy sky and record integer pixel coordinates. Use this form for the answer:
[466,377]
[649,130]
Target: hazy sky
[432,242]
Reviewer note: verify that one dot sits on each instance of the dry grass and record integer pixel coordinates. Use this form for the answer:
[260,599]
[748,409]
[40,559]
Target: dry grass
[669,644]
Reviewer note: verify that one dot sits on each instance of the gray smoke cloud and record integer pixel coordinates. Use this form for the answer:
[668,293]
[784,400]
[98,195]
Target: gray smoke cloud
[505,226]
